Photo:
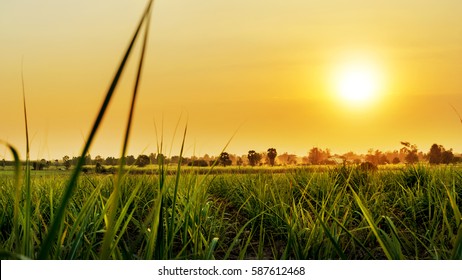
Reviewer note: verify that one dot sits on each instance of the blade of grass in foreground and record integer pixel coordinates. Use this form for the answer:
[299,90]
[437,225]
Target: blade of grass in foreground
[392,248]
[53,231]
[175,192]
[114,198]
[27,240]
[17,179]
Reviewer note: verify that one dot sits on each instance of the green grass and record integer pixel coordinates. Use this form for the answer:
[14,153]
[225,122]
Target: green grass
[293,215]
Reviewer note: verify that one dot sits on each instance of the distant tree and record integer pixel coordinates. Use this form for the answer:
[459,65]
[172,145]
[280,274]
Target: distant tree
[434,156]
[317,155]
[153,158]
[411,152]
[287,159]
[253,157]
[239,161]
[142,160]
[110,161]
[447,157]
[3,164]
[175,159]
[130,160]
[38,165]
[98,159]
[396,160]
[198,162]
[271,155]
[66,162]
[314,156]
[224,159]
[88,159]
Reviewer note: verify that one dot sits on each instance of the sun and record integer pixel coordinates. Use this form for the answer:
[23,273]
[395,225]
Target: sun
[357,83]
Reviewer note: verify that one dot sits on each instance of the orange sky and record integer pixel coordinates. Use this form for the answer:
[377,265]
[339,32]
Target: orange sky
[262,68]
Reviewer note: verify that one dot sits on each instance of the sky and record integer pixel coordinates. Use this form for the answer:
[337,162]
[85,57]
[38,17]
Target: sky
[241,75]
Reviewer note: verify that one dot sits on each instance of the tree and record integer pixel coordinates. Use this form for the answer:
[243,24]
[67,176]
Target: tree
[411,152]
[271,155]
[130,160]
[66,162]
[447,157]
[224,159]
[318,156]
[287,159]
[253,157]
[110,161]
[153,158]
[434,156]
[88,159]
[142,160]
[98,159]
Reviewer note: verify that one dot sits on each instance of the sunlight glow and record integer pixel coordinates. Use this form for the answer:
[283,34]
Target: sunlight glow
[357,83]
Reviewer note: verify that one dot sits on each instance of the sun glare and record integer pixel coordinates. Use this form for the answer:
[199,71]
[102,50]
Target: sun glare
[357,84]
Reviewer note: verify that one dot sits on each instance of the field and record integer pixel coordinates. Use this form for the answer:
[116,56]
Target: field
[338,213]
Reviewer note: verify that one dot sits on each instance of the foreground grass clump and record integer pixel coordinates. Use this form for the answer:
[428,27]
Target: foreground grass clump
[295,215]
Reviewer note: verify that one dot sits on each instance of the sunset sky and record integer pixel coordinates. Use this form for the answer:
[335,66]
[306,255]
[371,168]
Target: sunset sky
[271,73]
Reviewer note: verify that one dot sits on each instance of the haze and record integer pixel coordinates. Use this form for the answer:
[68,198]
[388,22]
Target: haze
[259,70]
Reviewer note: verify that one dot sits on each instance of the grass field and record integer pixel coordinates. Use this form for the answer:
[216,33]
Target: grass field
[340,213]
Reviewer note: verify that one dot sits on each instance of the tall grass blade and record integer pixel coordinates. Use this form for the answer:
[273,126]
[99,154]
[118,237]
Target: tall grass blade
[27,228]
[175,193]
[53,231]
[114,199]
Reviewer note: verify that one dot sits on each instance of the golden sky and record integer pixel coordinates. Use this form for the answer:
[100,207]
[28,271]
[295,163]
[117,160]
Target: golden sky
[267,69]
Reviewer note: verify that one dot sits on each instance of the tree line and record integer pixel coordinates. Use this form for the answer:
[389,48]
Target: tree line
[408,153]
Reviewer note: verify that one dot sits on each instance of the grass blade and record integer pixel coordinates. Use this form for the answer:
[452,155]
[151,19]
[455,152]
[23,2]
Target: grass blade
[27,228]
[53,231]
[17,197]
[114,199]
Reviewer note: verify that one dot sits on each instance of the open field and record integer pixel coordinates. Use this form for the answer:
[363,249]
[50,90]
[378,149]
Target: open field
[340,213]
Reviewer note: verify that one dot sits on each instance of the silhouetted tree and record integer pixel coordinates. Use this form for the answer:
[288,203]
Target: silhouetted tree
[434,156]
[142,160]
[130,160]
[287,159]
[88,159]
[98,159]
[110,161]
[318,156]
[153,158]
[253,157]
[447,157]
[411,152]
[224,159]
[198,162]
[271,155]
[396,160]
[66,162]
